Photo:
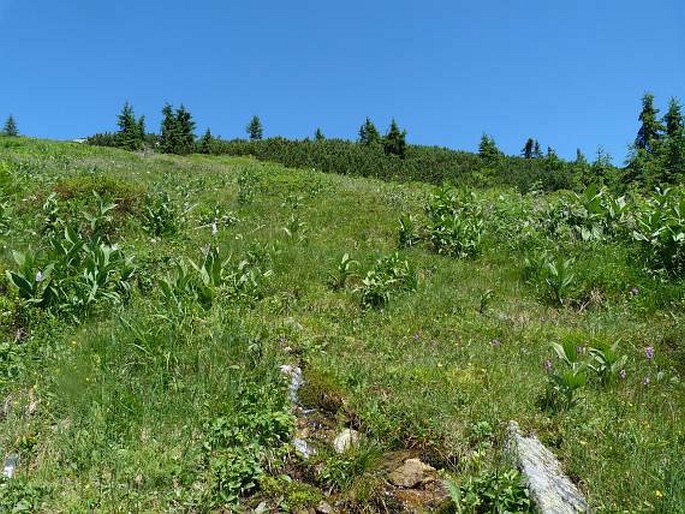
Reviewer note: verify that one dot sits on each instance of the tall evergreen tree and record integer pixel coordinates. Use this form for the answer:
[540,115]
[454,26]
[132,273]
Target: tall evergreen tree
[528,148]
[368,133]
[255,129]
[394,142]
[168,133]
[206,143]
[673,160]
[318,135]
[185,127]
[131,130]
[580,157]
[537,152]
[10,127]
[487,149]
[649,134]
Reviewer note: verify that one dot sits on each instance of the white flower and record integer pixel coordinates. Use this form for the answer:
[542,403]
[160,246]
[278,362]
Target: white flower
[39,276]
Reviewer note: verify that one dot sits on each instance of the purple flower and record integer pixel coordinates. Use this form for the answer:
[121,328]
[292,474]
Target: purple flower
[634,291]
[645,381]
[649,352]
[416,336]
[39,276]
[548,365]
[495,342]
[622,374]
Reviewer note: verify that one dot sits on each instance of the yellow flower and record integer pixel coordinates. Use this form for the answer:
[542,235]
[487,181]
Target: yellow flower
[659,494]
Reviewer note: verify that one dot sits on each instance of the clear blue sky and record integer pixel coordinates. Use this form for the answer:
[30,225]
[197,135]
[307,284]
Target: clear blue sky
[570,74]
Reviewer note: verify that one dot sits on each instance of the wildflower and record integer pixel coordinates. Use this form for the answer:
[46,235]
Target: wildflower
[548,365]
[645,381]
[416,336]
[658,494]
[634,291]
[215,229]
[649,352]
[39,276]
[495,342]
[622,374]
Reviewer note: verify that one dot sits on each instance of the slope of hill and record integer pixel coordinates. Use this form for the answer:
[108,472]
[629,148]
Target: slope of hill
[149,302]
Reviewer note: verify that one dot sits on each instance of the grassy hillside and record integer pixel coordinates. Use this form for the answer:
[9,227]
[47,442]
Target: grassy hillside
[150,301]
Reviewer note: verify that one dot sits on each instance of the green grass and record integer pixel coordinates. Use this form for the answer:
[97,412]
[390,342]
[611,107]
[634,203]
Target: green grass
[148,404]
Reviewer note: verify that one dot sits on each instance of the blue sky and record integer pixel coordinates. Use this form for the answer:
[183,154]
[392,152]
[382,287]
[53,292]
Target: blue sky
[570,74]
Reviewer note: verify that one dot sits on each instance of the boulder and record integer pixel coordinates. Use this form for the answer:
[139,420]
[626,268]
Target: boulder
[551,490]
[412,473]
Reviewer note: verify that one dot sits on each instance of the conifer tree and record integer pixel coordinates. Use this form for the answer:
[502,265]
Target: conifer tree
[254,129]
[487,149]
[131,130]
[185,127]
[649,134]
[206,142]
[10,127]
[394,142]
[674,143]
[368,133]
[318,135]
[168,133]
[527,151]
[580,157]
[537,153]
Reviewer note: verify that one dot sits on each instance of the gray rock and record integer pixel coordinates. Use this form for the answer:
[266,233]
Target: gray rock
[412,473]
[11,463]
[303,447]
[550,489]
[346,440]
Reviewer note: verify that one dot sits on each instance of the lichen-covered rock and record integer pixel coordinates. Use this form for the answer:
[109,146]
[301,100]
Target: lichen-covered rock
[412,473]
[550,489]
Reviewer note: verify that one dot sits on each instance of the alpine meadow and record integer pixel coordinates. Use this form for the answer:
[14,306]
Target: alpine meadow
[193,324]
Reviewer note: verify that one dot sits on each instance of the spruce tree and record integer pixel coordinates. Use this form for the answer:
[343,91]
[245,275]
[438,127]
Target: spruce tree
[168,133]
[206,142]
[487,149]
[673,152]
[537,152]
[131,131]
[527,151]
[394,142]
[368,133]
[254,129]
[185,127]
[649,134]
[318,135]
[10,127]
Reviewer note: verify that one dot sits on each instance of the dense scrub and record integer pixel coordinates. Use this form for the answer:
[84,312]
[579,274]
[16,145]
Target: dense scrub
[148,302]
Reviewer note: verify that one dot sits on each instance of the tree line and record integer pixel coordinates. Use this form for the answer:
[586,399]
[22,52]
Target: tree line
[657,155]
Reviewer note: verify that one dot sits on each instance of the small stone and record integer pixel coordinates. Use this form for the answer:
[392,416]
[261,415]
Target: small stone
[412,473]
[324,508]
[346,440]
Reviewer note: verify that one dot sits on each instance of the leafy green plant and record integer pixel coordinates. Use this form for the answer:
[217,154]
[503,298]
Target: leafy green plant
[73,276]
[563,383]
[607,362]
[553,277]
[455,223]
[409,231]
[498,491]
[161,217]
[388,276]
[660,230]
[343,272]
[214,276]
